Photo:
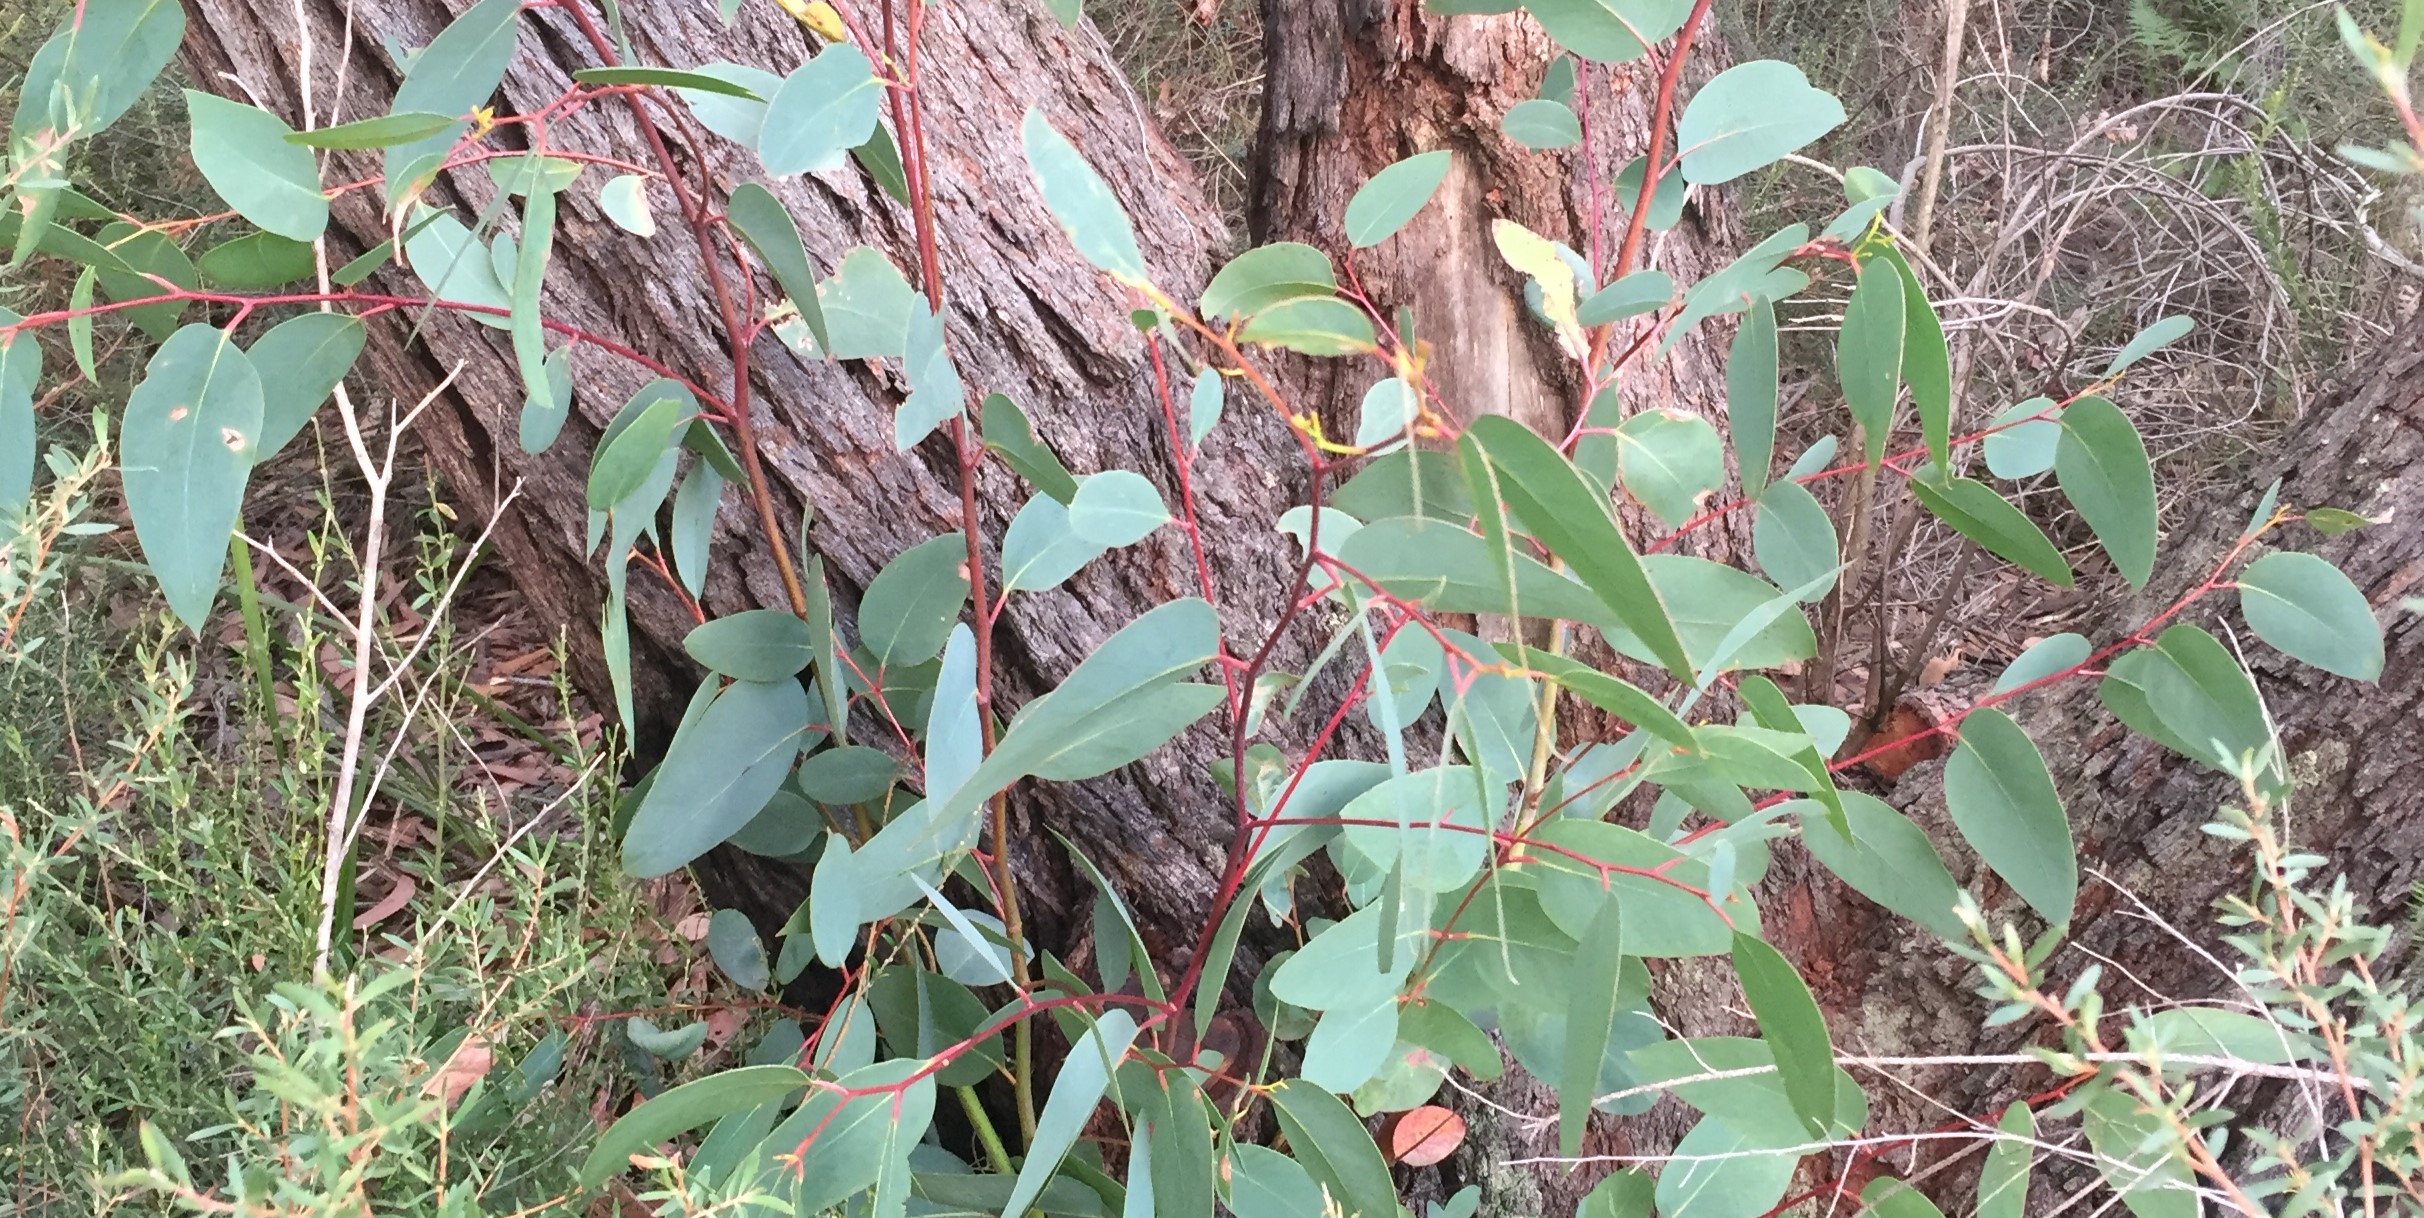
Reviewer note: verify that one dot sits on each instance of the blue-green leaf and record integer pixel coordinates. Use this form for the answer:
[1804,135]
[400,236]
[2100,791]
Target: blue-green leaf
[2101,465]
[1083,203]
[717,774]
[1116,507]
[826,107]
[684,1108]
[307,356]
[1794,1028]
[1392,197]
[907,610]
[2307,608]
[192,430]
[1751,396]
[243,153]
[1084,1076]
[1749,117]
[451,76]
[2003,801]
[1542,126]
[1868,358]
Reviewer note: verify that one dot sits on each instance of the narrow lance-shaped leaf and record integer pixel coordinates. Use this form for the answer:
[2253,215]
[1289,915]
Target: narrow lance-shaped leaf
[689,1106]
[1335,1147]
[1794,1028]
[20,372]
[1590,1021]
[1084,1077]
[718,773]
[761,221]
[1551,497]
[2003,1180]
[1868,356]
[1927,365]
[530,274]
[1978,513]
[1751,394]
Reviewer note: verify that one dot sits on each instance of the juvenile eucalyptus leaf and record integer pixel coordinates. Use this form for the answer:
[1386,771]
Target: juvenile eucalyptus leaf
[96,67]
[1608,31]
[453,75]
[1007,431]
[954,743]
[1794,1028]
[624,199]
[306,356]
[1670,462]
[626,459]
[907,611]
[1263,1183]
[146,255]
[717,774]
[20,372]
[2003,801]
[1083,203]
[760,220]
[2024,449]
[382,131]
[1793,540]
[1267,275]
[1334,1147]
[191,433]
[1751,395]
[1887,859]
[2003,1179]
[694,525]
[1926,364]
[1868,357]
[1759,274]
[1312,325]
[1590,1020]
[1391,198]
[1978,513]
[826,107]
[2102,467]
[1203,407]
[2044,658]
[1749,117]
[736,118]
[866,305]
[736,949]
[689,1106]
[1542,126]
[644,74]
[936,394]
[1666,203]
[256,262]
[2150,340]
[752,645]
[2307,608]
[1041,549]
[1635,294]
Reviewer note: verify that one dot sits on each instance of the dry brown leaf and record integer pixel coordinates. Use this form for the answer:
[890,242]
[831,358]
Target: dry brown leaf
[398,895]
[467,1065]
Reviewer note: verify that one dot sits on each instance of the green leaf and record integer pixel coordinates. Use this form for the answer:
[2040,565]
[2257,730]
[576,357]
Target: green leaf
[2150,340]
[1887,1197]
[735,118]
[80,328]
[1433,811]
[1889,860]
[849,774]
[455,266]
[2189,694]
[1759,274]
[1390,200]
[826,107]
[667,77]
[936,393]
[752,645]
[452,75]
[1978,513]
[1333,1146]
[1266,275]
[1927,364]
[1350,1044]
[1573,522]
[102,60]
[1794,1028]
[529,175]
[2003,801]
[1389,408]
[1614,695]
[1670,461]
[909,607]
[717,774]
[624,199]
[2101,465]
[1084,1076]
[1083,203]
[2211,1032]
[530,274]
[1868,358]
[1749,117]
[2003,1179]
[1710,602]
[20,373]
[1717,1172]
[191,432]
[308,356]
[828,650]
[922,1013]
[625,460]
[1007,431]
[1312,325]
[1607,31]
[1067,12]
[1635,294]
[384,131]
[1116,507]
[1264,1183]
[1590,1021]
[1629,1193]
[2024,449]
[2134,1154]
[736,949]
[953,744]
[1041,549]
[256,262]
[543,415]
[1203,408]
[1445,567]
[1751,397]
[2044,658]
[760,220]
[685,1108]
[866,304]
[856,1130]
[1666,203]
[146,255]
[2307,608]
[1541,125]
[1793,539]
